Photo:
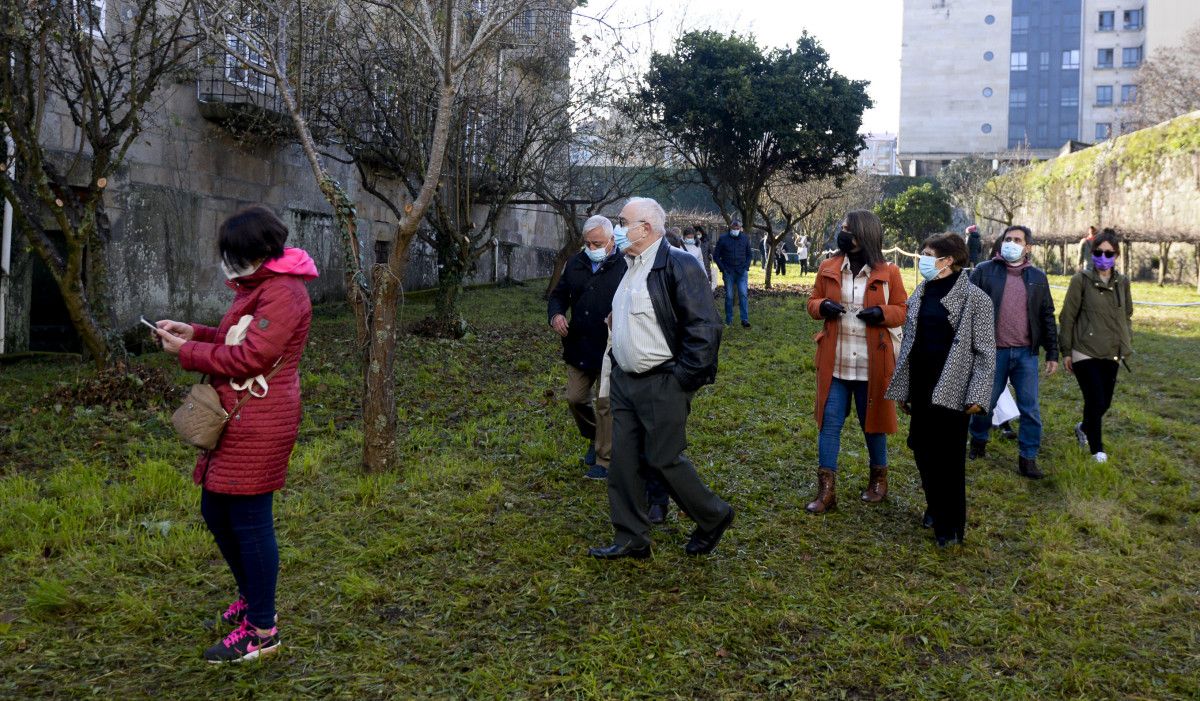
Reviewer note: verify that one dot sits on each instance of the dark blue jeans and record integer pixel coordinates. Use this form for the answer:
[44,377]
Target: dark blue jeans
[244,529]
[837,408]
[741,282]
[1020,366]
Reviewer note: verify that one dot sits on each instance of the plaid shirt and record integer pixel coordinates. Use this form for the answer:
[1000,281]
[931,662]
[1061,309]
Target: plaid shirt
[851,363]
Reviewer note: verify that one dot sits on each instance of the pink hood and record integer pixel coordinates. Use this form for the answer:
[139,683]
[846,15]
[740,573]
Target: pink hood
[294,261]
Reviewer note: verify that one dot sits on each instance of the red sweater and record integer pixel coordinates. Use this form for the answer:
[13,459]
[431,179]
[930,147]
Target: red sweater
[1012,326]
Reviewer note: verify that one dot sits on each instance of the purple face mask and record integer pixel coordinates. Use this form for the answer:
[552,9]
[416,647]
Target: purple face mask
[1103,263]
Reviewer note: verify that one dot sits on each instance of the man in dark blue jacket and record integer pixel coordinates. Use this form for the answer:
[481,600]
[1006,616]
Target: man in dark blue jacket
[732,256]
[585,291]
[1025,323]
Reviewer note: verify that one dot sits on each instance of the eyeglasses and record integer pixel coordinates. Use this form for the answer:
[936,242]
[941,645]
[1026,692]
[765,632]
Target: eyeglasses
[621,222]
[1106,254]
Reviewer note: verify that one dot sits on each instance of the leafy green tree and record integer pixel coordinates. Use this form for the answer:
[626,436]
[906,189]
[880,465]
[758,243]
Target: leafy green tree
[741,117]
[914,214]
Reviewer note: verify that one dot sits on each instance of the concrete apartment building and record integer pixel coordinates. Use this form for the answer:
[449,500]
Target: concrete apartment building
[199,162]
[985,77]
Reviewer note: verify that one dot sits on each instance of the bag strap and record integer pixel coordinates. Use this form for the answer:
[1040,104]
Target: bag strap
[242,402]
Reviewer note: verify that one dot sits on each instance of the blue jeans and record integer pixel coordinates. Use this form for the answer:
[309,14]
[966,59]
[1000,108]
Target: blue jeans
[837,408]
[740,280]
[244,529]
[1020,366]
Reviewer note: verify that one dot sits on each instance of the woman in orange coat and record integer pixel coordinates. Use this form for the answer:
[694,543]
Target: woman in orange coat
[861,297]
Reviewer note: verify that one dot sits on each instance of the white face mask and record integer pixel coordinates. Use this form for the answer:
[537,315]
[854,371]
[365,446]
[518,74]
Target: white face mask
[234,273]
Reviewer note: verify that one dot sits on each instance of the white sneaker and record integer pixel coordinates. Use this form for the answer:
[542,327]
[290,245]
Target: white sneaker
[1101,456]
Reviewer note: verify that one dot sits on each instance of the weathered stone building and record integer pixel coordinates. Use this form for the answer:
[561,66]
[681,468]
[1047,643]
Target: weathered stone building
[189,170]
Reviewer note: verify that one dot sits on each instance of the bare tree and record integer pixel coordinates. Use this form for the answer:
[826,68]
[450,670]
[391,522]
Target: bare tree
[101,72]
[1168,83]
[448,36]
[964,180]
[791,209]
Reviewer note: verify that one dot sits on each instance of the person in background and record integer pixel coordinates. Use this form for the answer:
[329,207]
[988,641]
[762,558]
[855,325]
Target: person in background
[692,245]
[585,292]
[944,375]
[263,334]
[1025,322]
[802,254]
[1096,335]
[707,247]
[1085,249]
[974,245]
[732,256]
[780,259]
[861,297]
[665,341]
[673,237]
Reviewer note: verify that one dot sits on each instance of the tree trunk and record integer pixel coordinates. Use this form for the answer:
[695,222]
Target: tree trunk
[770,264]
[1164,249]
[1198,268]
[449,292]
[1062,251]
[379,391]
[560,263]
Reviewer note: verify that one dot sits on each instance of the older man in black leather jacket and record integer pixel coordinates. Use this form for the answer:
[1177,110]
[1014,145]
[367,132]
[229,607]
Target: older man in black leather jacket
[665,339]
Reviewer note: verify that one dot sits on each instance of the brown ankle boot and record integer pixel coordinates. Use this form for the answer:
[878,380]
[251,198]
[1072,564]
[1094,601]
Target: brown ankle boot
[826,492]
[877,486]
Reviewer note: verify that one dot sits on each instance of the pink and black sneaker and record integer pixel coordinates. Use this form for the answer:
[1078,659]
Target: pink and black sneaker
[236,613]
[244,643]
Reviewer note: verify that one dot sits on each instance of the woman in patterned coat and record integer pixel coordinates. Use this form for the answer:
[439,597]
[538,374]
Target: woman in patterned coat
[943,375]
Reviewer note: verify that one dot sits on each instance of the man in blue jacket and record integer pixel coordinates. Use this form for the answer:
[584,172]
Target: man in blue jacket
[732,256]
[1025,323]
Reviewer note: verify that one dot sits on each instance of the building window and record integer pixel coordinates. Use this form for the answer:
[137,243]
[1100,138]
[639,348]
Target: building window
[1131,57]
[986,128]
[1107,21]
[1043,97]
[90,15]
[988,55]
[1020,24]
[244,63]
[987,92]
[1070,59]
[1133,19]
[1041,133]
[990,19]
[382,250]
[1104,58]
[1044,63]
[1019,61]
[1103,95]
[1128,94]
[1068,132]
[1017,97]
[1103,130]
[1070,97]
[1126,127]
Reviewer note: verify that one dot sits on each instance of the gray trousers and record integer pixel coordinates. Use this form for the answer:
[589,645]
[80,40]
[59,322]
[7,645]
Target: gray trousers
[650,417]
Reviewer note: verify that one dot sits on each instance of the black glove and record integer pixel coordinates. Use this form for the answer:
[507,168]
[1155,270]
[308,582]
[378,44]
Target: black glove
[831,310]
[871,316]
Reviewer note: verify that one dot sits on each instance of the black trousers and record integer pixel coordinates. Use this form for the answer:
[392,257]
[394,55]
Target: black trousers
[938,439]
[650,416]
[1097,380]
[780,264]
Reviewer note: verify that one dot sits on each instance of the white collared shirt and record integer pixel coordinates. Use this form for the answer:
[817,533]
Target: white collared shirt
[638,342]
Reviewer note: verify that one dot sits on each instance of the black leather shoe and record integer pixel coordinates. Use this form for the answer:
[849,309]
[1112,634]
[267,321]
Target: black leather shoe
[1028,468]
[702,542]
[927,520]
[745,324]
[616,551]
[978,449]
[658,513]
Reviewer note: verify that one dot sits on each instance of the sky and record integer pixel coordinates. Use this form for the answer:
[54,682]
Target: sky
[861,36]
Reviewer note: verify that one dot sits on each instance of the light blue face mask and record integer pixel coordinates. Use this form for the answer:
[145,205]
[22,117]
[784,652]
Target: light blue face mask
[596,255]
[928,267]
[1012,252]
[621,237]
[735,233]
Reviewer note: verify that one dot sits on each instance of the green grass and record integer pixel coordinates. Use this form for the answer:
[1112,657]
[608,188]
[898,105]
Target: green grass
[464,574]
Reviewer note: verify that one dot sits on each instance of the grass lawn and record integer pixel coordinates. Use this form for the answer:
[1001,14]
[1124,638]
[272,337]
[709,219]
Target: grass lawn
[464,575]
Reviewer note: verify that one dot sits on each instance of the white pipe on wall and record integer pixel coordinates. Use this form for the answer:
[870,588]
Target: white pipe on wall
[6,248]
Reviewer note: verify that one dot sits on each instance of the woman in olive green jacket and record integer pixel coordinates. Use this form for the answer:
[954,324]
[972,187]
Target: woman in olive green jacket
[1095,335]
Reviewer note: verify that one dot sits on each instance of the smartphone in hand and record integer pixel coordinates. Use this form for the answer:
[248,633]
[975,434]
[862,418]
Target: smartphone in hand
[147,323]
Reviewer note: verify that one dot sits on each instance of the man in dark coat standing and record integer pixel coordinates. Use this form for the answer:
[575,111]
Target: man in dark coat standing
[585,291]
[732,256]
[1025,324]
[665,339]
[974,245]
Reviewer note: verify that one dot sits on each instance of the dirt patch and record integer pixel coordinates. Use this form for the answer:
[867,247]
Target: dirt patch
[777,291]
[132,386]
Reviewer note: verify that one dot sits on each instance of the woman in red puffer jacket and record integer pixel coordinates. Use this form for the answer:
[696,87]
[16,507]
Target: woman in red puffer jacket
[267,325]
